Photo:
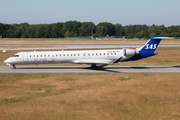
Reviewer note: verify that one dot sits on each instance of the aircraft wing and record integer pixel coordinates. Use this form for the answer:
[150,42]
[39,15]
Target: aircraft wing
[94,61]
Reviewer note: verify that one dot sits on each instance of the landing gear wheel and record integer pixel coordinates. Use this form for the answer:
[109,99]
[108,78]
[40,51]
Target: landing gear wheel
[94,66]
[14,67]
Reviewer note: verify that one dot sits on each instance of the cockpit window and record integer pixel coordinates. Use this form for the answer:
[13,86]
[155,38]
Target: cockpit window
[15,56]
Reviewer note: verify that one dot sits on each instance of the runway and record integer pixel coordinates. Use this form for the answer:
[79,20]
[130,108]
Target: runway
[75,46]
[88,69]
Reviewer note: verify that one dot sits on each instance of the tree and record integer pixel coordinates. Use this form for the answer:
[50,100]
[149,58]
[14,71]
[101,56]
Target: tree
[138,35]
[1,29]
[110,28]
[17,32]
[86,29]
[54,32]
[67,34]
[9,32]
[95,35]
[29,32]
[72,27]
[129,30]
[41,31]
[24,26]
[151,34]
[175,34]
[129,36]
[76,28]
[59,29]
[119,30]
[102,30]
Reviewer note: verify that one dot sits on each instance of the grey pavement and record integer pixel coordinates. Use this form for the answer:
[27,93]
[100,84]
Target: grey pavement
[88,69]
[77,46]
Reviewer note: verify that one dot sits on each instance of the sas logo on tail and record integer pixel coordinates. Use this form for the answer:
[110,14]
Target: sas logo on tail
[151,46]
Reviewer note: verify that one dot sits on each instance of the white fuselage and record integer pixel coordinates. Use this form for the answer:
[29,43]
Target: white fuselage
[81,57]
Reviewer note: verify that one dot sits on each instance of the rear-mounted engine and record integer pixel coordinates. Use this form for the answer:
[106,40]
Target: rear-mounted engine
[131,52]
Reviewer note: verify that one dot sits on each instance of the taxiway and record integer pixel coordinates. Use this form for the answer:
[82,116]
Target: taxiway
[74,46]
[88,69]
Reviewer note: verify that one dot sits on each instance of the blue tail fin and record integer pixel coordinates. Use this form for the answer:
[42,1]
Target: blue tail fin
[153,43]
[149,48]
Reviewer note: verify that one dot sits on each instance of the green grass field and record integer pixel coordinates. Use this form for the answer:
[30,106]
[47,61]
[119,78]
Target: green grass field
[100,96]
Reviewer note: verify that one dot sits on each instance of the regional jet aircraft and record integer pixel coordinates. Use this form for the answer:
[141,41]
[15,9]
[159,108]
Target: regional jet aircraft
[92,57]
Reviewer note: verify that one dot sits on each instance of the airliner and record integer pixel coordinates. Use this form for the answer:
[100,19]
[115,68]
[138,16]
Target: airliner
[92,57]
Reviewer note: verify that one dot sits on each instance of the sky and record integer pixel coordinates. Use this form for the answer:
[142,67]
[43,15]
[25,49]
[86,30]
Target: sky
[125,12]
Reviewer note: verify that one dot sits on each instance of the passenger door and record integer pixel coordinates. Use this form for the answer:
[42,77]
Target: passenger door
[25,57]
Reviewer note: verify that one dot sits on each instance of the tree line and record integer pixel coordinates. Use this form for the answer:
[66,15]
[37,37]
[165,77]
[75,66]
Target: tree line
[84,29]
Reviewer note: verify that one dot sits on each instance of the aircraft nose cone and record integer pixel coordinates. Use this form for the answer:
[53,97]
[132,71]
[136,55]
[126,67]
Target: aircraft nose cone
[7,61]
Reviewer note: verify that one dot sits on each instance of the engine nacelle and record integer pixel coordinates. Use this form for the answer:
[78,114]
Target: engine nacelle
[130,52]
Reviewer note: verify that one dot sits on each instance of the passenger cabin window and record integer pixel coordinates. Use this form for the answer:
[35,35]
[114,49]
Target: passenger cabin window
[107,53]
[96,54]
[67,54]
[37,55]
[33,55]
[56,55]
[41,55]
[60,55]
[74,54]
[100,54]
[111,53]
[93,54]
[64,54]
[44,55]
[78,54]
[30,56]
[104,53]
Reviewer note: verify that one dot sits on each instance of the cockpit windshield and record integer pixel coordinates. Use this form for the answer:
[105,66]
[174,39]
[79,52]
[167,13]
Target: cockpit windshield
[15,56]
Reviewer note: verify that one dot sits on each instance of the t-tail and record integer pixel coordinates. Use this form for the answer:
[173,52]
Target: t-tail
[149,48]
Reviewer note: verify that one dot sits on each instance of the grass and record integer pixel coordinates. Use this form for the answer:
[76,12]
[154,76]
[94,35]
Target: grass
[11,47]
[90,96]
[76,41]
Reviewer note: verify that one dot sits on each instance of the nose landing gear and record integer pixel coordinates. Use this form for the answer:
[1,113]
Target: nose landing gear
[14,67]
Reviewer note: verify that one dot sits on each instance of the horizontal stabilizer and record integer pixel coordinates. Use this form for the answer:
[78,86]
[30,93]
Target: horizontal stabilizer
[160,38]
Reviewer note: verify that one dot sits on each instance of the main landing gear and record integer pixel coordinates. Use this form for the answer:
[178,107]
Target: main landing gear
[14,67]
[93,66]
